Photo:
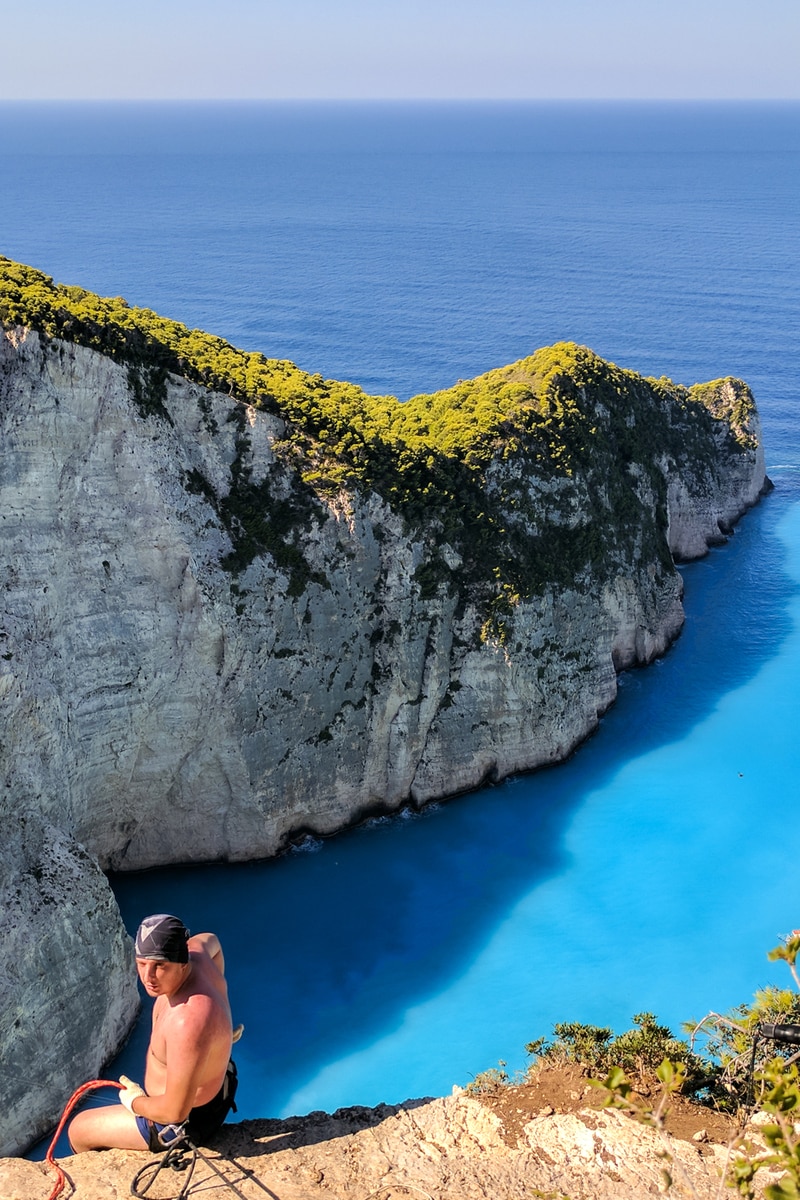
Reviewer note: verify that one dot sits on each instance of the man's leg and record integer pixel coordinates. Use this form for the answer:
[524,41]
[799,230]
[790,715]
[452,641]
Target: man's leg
[110,1127]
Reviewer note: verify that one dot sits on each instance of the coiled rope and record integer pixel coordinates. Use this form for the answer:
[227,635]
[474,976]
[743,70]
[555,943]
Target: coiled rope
[76,1096]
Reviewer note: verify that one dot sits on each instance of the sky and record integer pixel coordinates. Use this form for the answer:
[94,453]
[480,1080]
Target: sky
[400,49]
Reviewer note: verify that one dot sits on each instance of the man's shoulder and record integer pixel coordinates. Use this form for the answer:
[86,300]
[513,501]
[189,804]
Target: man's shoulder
[194,1014]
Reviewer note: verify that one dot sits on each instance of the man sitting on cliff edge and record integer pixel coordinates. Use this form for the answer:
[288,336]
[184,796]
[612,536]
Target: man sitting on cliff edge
[189,1079]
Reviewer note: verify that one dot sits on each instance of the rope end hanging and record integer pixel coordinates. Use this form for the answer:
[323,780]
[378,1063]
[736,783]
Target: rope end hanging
[77,1095]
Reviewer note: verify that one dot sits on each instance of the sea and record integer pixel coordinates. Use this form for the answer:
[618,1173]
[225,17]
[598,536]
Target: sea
[404,246]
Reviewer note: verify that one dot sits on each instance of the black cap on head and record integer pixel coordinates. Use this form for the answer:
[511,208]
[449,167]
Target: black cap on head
[162,938]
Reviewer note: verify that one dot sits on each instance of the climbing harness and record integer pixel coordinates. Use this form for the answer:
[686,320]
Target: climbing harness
[77,1095]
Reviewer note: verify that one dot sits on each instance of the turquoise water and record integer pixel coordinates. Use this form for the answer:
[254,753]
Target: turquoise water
[404,247]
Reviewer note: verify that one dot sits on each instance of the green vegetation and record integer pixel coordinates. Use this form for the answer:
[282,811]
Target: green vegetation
[732,1050]
[637,1052]
[739,1072]
[749,1076]
[490,1080]
[728,400]
[731,1041]
[587,433]
[779,1096]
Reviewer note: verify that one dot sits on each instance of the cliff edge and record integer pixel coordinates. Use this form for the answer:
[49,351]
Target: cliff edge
[242,603]
[456,1148]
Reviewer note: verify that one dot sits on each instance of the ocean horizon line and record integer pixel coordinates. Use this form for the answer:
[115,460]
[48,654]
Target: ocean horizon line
[218,127]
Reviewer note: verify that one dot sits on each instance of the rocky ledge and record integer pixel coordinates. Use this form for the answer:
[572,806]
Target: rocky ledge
[457,1148]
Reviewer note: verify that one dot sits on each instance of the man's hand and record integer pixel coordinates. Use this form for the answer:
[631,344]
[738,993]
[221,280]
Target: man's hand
[130,1091]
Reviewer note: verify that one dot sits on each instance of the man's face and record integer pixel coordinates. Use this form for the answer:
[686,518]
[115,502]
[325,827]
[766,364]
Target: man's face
[160,978]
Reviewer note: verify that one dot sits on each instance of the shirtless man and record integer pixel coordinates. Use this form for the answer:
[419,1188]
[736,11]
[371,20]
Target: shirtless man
[189,1078]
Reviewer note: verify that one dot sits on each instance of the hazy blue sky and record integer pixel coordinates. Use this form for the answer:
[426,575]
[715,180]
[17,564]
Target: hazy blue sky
[400,48]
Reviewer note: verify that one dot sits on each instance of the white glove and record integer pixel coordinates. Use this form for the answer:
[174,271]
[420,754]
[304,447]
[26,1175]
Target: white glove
[130,1091]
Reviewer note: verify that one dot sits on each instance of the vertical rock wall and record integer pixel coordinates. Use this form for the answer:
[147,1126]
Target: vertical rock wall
[67,975]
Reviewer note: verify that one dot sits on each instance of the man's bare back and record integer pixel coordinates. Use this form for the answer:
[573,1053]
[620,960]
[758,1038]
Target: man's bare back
[190,1041]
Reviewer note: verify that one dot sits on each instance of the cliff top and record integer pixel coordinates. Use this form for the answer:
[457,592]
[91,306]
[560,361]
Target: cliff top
[461,422]
[547,1138]
[457,462]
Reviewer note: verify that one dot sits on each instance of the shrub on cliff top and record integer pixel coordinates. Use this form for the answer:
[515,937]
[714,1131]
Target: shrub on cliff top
[563,413]
[638,1052]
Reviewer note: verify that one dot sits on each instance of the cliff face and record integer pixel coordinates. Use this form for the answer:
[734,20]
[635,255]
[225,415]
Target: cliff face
[163,707]
[203,653]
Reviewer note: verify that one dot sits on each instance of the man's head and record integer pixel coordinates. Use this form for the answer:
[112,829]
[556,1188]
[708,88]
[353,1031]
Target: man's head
[162,938]
[162,954]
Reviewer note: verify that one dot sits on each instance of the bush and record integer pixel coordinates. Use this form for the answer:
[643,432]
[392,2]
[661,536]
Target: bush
[638,1052]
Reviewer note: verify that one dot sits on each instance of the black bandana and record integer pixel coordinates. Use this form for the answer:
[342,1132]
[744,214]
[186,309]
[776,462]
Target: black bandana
[162,938]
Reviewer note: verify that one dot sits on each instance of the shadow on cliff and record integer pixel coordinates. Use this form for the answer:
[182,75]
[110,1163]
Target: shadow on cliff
[328,949]
[265,1136]
[259,1139]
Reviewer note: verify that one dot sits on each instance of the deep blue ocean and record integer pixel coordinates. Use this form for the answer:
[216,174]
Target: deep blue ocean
[405,246]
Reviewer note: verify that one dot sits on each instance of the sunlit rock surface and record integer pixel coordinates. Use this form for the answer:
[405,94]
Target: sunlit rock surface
[450,1149]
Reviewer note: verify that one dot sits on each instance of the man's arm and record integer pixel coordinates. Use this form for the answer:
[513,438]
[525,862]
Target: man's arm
[209,944]
[186,1048]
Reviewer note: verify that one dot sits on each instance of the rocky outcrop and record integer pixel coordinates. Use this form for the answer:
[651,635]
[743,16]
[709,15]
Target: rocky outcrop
[63,952]
[204,655]
[450,1149]
[699,517]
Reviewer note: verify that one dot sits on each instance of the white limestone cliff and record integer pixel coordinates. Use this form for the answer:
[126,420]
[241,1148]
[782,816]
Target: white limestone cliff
[158,707]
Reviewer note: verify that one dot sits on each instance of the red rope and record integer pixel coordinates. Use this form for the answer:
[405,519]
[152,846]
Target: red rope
[73,1100]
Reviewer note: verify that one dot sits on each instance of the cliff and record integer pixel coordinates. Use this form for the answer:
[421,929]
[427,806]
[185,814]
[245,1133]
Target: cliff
[456,1148]
[241,603]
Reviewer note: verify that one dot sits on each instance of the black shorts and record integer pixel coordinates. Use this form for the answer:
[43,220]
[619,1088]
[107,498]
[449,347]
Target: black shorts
[204,1121]
[201,1124]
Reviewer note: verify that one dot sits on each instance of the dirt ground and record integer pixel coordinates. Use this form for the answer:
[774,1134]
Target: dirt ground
[566,1088]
